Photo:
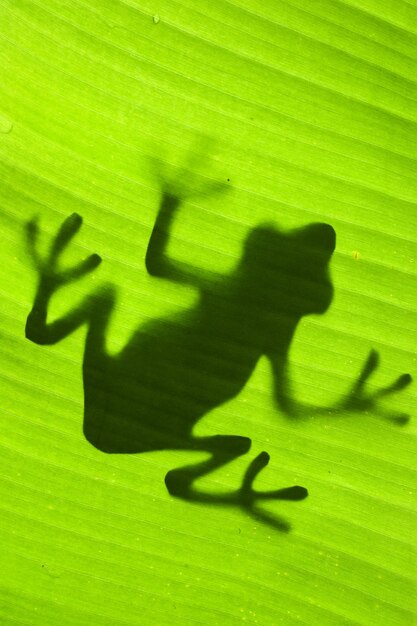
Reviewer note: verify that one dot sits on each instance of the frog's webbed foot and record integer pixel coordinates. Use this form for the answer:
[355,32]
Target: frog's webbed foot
[249,497]
[50,274]
[359,399]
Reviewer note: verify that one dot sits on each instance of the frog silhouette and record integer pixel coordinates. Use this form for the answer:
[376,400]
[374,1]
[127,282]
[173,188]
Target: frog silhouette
[173,371]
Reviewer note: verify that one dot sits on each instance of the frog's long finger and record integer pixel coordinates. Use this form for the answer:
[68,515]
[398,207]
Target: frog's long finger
[269,519]
[32,233]
[197,186]
[370,366]
[211,188]
[294,493]
[398,418]
[253,470]
[401,419]
[399,384]
[88,265]
[69,227]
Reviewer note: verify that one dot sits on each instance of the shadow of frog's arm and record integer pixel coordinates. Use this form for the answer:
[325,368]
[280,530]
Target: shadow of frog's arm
[358,399]
[157,261]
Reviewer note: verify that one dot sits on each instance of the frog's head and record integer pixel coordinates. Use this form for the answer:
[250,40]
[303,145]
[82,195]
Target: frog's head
[289,271]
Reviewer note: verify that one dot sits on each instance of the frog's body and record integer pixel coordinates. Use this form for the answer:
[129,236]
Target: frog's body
[174,371]
[167,377]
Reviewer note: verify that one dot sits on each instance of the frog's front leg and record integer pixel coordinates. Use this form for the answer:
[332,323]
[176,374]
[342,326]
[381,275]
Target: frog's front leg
[51,278]
[359,399]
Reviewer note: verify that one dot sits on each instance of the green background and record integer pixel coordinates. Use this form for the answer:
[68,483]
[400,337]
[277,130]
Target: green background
[309,113]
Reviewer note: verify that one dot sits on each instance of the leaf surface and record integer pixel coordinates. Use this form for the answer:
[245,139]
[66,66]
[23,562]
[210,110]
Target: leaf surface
[307,111]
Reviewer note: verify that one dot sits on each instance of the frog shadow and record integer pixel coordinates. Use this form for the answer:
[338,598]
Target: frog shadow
[175,370]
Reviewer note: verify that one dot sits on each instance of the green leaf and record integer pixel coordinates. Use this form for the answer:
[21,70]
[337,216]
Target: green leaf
[307,113]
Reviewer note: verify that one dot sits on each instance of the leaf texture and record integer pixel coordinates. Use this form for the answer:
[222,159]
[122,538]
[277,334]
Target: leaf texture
[307,112]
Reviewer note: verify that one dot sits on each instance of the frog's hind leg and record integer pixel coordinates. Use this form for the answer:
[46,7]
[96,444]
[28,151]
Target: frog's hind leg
[226,448]
[223,448]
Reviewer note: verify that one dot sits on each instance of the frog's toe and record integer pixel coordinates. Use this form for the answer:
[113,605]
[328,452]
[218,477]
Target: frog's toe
[292,493]
[252,471]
